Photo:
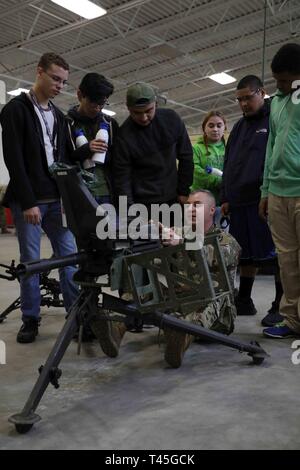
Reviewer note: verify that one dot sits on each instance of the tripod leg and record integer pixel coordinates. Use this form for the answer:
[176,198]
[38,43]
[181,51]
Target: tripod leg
[253,348]
[163,320]
[16,304]
[50,373]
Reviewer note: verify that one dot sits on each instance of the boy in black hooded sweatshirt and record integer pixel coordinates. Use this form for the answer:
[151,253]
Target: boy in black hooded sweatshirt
[93,93]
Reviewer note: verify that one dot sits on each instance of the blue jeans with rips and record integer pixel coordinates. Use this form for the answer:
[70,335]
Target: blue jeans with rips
[62,242]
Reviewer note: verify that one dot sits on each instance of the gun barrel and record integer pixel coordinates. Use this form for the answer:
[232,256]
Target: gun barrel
[44,265]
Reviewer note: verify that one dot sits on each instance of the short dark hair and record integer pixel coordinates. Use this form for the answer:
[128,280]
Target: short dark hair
[250,81]
[95,87]
[50,58]
[209,194]
[287,59]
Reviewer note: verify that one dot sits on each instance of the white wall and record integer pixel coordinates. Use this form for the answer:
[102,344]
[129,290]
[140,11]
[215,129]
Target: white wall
[4,178]
[3,171]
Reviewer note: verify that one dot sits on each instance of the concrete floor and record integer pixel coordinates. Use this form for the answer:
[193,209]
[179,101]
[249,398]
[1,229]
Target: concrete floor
[216,400]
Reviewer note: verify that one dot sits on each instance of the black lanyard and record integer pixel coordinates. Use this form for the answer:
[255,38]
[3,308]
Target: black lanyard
[52,136]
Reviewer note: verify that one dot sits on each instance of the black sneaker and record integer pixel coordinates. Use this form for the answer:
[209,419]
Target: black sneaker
[273,317]
[244,306]
[28,331]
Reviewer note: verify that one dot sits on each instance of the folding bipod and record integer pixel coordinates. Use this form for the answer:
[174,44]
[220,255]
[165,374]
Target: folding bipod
[175,280]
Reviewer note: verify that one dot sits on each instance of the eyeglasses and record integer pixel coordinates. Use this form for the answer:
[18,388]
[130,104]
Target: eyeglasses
[102,102]
[247,97]
[57,79]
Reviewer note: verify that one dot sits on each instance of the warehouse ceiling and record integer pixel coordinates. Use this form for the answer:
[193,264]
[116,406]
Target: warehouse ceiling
[174,45]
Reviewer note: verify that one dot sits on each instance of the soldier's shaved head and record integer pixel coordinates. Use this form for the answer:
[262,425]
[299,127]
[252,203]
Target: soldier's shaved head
[210,198]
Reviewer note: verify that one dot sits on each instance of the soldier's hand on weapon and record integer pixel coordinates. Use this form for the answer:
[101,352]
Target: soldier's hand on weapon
[263,208]
[98,145]
[168,236]
[225,208]
[32,216]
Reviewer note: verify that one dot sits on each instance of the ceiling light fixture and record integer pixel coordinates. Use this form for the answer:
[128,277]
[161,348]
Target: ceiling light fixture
[83,8]
[222,78]
[17,92]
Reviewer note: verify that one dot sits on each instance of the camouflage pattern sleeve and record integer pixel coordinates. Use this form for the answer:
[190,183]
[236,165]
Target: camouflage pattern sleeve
[231,251]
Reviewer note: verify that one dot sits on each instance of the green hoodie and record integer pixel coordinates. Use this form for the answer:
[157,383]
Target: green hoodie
[282,165]
[214,157]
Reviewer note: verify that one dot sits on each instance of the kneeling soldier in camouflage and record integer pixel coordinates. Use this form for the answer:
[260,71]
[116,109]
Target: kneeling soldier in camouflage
[218,315]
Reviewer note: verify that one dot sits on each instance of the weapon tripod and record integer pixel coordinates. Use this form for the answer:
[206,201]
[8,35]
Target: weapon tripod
[151,304]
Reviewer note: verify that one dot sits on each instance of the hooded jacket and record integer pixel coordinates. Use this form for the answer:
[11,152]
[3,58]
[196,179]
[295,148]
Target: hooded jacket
[282,168]
[245,159]
[90,127]
[213,156]
[25,156]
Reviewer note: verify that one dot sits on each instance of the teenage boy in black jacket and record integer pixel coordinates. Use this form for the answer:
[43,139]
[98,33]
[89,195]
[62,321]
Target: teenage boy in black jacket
[34,134]
[93,94]
[240,193]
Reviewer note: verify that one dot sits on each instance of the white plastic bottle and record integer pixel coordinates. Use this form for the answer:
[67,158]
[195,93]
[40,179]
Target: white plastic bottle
[80,141]
[102,134]
[213,171]
[80,138]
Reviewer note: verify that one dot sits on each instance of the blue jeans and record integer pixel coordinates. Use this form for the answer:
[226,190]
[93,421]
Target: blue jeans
[62,242]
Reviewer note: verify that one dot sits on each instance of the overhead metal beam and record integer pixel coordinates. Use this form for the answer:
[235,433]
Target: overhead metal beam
[59,18]
[161,26]
[271,5]
[222,18]
[151,75]
[73,26]
[19,7]
[157,27]
[34,23]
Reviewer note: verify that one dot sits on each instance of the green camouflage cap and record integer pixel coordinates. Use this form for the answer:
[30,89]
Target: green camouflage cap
[140,94]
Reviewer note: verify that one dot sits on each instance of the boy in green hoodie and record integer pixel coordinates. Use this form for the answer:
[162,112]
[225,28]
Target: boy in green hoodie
[281,185]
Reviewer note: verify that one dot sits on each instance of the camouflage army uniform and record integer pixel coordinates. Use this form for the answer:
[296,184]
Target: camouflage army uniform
[217,315]
[220,314]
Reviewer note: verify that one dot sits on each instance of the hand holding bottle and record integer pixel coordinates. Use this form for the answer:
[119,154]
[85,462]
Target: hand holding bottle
[102,138]
[98,145]
[80,141]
